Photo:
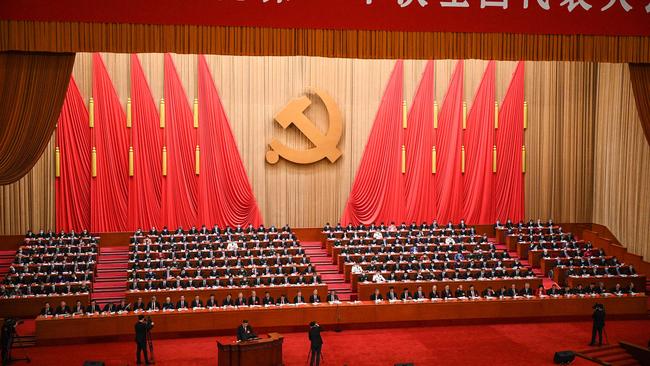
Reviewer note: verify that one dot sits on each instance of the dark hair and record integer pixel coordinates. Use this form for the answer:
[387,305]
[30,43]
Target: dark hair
[140,317]
[245,321]
[311,324]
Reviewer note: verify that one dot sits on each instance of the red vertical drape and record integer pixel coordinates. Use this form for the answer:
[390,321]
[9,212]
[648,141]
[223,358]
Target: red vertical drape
[225,194]
[449,181]
[419,188]
[509,189]
[640,78]
[180,185]
[73,185]
[145,187]
[109,190]
[478,206]
[377,192]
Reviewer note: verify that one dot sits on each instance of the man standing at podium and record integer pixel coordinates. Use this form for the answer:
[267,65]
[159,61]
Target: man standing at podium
[316,344]
[245,332]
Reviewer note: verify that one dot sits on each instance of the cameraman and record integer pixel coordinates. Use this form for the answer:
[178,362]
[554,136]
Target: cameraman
[8,334]
[599,323]
[316,344]
[142,327]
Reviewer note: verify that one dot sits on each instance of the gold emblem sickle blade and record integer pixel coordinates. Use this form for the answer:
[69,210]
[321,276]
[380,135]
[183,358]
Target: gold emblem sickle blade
[325,145]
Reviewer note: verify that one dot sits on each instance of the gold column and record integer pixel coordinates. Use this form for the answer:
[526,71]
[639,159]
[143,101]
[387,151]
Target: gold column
[494,159]
[93,162]
[131,161]
[164,161]
[197,160]
[404,114]
[523,159]
[435,114]
[462,159]
[403,159]
[162,112]
[496,114]
[57,162]
[91,112]
[433,160]
[464,115]
[525,115]
[196,112]
[128,112]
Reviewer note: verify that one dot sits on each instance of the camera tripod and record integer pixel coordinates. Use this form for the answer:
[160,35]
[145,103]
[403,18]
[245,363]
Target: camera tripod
[322,358]
[7,348]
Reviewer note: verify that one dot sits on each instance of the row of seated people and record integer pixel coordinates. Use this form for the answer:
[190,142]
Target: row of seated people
[216,232]
[222,271]
[382,263]
[417,235]
[403,227]
[207,254]
[262,260]
[504,292]
[552,240]
[52,264]
[381,276]
[182,304]
[198,282]
[68,288]
[215,247]
[377,247]
[526,227]
[442,255]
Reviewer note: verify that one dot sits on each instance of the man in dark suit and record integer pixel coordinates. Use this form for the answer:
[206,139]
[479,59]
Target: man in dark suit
[47,310]
[299,299]
[316,344]
[93,308]
[153,305]
[245,332]
[181,304]
[314,298]
[376,296]
[253,299]
[63,309]
[332,296]
[197,303]
[599,323]
[267,299]
[141,329]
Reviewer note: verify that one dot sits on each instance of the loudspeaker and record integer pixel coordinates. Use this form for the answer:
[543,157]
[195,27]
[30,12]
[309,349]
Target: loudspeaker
[563,357]
[94,363]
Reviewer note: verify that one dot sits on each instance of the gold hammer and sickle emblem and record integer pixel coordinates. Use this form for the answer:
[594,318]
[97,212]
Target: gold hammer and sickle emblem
[325,145]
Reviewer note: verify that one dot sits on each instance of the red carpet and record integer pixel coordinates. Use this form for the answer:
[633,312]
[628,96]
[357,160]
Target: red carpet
[506,344]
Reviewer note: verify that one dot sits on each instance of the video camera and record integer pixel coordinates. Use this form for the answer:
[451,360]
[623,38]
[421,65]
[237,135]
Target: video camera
[598,306]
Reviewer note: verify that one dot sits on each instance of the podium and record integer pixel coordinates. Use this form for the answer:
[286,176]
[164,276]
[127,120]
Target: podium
[260,352]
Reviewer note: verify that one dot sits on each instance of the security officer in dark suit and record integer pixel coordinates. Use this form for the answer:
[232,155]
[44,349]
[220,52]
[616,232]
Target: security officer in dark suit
[599,323]
[316,344]
[141,329]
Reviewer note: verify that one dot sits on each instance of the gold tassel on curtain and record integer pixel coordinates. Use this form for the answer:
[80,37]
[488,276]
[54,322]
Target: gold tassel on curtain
[523,159]
[433,160]
[197,160]
[128,112]
[162,112]
[435,115]
[93,162]
[57,162]
[525,115]
[494,159]
[496,114]
[131,161]
[164,161]
[464,115]
[404,114]
[462,159]
[403,159]
[91,112]
[196,112]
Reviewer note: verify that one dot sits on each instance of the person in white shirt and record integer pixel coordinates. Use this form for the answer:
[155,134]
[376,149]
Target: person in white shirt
[356,269]
[232,246]
[378,278]
[377,235]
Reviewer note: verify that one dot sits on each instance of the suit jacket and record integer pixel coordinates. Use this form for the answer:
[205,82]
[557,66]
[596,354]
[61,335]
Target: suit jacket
[168,306]
[197,304]
[244,334]
[181,306]
[315,338]
[47,311]
[298,299]
[141,332]
[211,302]
[314,299]
[63,310]
[95,309]
[332,298]
[267,301]
[375,297]
[228,302]
[240,302]
[253,301]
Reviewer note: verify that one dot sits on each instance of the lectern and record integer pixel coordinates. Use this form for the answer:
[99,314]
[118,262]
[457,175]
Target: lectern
[260,352]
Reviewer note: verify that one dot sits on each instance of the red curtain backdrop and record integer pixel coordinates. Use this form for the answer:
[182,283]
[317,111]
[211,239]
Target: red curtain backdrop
[110,189]
[640,78]
[145,187]
[478,206]
[180,185]
[225,194]
[449,136]
[73,185]
[509,189]
[419,188]
[377,192]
